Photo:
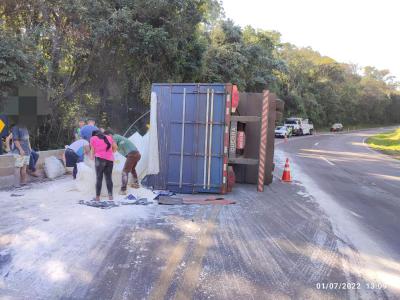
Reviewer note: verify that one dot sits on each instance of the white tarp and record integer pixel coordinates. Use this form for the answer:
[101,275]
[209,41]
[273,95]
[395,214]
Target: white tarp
[154,164]
[142,143]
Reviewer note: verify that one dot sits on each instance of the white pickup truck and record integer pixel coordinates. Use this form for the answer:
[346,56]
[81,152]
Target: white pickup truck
[299,126]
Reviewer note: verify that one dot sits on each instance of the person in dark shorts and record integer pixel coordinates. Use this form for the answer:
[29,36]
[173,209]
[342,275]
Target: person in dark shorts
[127,149]
[102,151]
[75,153]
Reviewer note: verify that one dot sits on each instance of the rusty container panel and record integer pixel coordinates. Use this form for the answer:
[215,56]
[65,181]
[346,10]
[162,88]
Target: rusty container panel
[250,104]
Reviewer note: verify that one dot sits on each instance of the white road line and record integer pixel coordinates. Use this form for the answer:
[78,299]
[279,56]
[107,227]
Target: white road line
[368,148]
[316,144]
[355,214]
[328,161]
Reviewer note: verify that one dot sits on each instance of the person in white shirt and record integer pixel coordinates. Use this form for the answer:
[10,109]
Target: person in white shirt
[75,153]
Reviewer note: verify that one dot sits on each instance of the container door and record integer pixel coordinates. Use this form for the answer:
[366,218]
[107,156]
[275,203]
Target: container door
[210,139]
[196,135]
[182,138]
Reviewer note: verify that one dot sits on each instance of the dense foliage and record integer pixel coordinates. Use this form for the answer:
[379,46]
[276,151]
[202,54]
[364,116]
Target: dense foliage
[99,58]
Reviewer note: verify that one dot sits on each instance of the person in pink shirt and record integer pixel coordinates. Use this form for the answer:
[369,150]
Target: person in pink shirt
[102,151]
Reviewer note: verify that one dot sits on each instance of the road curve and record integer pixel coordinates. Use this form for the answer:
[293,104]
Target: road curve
[359,189]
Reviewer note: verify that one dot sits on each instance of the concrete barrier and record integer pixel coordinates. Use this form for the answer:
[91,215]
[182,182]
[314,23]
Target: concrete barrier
[7,163]
[6,170]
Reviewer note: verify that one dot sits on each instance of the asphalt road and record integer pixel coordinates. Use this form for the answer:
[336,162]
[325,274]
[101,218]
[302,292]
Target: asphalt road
[359,189]
[330,234]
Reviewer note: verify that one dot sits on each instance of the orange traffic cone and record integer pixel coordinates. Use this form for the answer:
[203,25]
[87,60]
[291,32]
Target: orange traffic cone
[286,172]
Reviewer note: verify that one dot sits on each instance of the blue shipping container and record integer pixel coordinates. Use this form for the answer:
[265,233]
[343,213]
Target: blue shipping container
[191,132]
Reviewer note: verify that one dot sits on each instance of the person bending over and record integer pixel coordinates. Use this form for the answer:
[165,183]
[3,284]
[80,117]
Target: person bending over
[127,149]
[75,153]
[102,148]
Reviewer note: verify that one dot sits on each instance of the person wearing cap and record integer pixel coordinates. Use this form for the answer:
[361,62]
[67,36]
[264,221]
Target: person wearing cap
[87,130]
[77,131]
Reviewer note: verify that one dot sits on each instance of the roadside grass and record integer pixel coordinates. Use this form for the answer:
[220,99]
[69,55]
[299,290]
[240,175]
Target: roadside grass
[388,143]
[347,128]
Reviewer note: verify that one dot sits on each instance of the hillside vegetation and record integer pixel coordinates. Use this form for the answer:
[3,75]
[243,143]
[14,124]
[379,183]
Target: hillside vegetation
[99,58]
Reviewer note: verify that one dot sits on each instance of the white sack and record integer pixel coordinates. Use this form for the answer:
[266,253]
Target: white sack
[53,167]
[86,178]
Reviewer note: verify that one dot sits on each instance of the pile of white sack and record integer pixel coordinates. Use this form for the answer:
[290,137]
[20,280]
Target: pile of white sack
[86,177]
[147,145]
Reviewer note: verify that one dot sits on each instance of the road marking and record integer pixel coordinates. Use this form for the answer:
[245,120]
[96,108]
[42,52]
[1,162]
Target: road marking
[192,272]
[316,144]
[367,147]
[355,214]
[387,177]
[325,159]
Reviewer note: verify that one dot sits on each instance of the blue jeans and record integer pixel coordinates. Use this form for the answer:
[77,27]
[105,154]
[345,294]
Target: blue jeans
[33,160]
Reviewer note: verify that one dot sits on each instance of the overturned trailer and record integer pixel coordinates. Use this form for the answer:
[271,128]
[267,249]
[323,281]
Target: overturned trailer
[204,133]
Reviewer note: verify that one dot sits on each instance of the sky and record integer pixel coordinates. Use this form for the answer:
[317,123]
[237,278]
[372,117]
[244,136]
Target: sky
[366,32]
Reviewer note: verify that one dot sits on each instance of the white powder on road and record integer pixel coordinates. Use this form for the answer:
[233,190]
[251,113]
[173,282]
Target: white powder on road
[49,243]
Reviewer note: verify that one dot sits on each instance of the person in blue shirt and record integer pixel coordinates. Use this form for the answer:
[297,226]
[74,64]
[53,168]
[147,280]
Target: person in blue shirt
[33,158]
[87,130]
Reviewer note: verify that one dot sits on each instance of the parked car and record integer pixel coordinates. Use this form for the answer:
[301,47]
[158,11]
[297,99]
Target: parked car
[283,131]
[299,126]
[336,127]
